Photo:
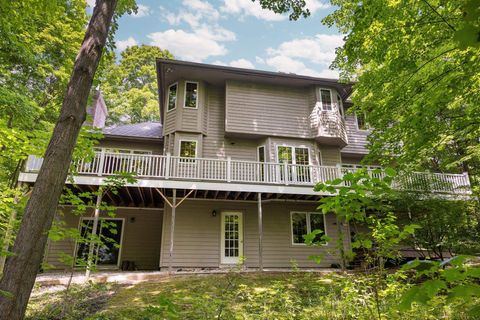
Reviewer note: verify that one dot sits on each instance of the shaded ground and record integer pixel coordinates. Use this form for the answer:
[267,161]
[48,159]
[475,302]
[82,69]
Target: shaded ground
[296,295]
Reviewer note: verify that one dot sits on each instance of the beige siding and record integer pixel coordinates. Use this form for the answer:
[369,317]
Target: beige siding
[214,140]
[267,110]
[330,155]
[140,241]
[215,144]
[357,139]
[197,235]
[186,119]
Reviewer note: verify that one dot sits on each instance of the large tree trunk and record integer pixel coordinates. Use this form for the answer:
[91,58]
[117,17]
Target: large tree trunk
[21,269]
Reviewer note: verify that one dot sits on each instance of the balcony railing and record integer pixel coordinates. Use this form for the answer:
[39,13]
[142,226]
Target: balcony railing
[249,172]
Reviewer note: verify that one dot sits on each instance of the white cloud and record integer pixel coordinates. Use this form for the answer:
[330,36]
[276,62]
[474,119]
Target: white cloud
[242,63]
[249,8]
[206,37]
[239,63]
[315,5]
[91,3]
[142,11]
[292,56]
[245,8]
[187,45]
[124,44]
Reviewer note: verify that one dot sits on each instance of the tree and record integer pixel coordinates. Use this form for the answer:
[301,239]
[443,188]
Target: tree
[416,69]
[130,86]
[416,65]
[21,268]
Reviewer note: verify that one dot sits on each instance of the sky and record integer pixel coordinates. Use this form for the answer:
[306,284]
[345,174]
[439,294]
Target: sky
[237,33]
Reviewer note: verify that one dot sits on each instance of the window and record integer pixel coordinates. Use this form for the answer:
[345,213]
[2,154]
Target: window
[191,97]
[188,149]
[110,232]
[304,223]
[299,158]
[361,121]
[261,158]
[326,99]
[172,97]
[340,106]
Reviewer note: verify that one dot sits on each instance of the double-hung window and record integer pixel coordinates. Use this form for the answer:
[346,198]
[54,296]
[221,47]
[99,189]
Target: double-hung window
[303,223]
[191,95]
[188,149]
[172,97]
[326,99]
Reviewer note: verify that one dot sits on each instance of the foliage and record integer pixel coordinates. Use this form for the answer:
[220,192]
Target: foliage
[363,200]
[81,204]
[130,85]
[446,225]
[453,279]
[294,295]
[83,301]
[416,65]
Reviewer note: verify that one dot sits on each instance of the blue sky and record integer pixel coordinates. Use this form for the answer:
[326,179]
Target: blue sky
[234,32]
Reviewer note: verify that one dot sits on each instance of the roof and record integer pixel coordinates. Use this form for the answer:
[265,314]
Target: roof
[151,130]
[169,71]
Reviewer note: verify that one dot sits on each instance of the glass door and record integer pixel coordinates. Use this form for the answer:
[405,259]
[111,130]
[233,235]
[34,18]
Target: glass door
[231,237]
[109,232]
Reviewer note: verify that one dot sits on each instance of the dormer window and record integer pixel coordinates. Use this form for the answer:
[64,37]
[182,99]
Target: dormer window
[191,95]
[326,99]
[172,97]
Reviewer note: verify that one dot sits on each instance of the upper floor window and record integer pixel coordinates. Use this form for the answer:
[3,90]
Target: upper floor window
[188,149]
[326,99]
[305,222]
[362,123]
[191,95]
[172,97]
[340,106]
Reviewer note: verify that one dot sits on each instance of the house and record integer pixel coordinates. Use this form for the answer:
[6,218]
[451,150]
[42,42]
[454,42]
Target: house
[229,171]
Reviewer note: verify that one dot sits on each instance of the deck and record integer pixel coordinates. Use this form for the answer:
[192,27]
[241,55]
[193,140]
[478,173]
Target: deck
[166,171]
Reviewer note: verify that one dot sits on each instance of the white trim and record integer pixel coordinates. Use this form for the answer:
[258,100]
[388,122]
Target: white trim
[309,228]
[340,106]
[321,101]
[185,95]
[168,97]
[187,140]
[192,184]
[230,260]
[120,249]
[365,119]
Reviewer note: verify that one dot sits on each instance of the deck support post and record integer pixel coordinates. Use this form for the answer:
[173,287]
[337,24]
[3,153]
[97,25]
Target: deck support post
[91,247]
[260,232]
[172,229]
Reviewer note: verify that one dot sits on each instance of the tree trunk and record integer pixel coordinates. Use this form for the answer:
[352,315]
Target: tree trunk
[21,268]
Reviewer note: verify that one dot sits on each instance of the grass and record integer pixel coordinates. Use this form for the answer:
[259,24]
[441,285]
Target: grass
[235,296]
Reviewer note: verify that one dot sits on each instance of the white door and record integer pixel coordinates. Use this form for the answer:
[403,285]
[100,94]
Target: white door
[231,237]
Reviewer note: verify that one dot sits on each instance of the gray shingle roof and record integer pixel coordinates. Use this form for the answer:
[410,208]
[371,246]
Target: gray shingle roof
[139,130]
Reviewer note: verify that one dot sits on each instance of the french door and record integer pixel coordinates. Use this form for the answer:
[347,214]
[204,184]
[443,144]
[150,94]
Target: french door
[231,237]
[110,232]
[299,159]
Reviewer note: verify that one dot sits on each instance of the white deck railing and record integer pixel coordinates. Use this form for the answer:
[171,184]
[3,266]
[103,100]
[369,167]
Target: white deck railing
[250,172]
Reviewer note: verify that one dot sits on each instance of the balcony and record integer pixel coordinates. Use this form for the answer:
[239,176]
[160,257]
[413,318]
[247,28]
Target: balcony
[235,175]
[330,128]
